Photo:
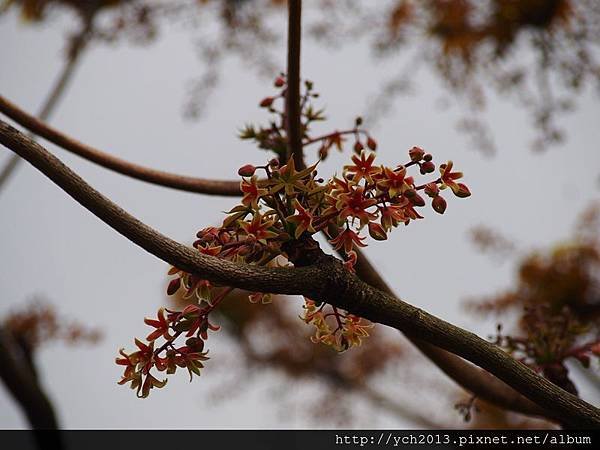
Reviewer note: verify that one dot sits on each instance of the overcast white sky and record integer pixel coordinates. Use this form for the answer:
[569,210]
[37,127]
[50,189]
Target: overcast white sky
[128,100]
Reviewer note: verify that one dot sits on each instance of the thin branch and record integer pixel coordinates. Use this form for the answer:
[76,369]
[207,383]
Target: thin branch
[108,161]
[293,112]
[77,47]
[326,279]
[8,169]
[184,257]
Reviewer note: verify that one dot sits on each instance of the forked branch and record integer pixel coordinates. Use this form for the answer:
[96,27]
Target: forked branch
[326,280]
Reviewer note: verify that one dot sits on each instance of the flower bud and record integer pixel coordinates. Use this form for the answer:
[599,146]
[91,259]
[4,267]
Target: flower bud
[247,170]
[417,200]
[439,204]
[410,193]
[377,232]
[358,122]
[462,191]
[371,143]
[358,147]
[323,152]
[195,344]
[427,157]
[173,286]
[266,102]
[416,154]
[427,167]
[279,82]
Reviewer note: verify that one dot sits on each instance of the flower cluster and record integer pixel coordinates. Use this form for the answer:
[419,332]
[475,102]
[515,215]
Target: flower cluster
[282,207]
[287,205]
[334,327]
[191,323]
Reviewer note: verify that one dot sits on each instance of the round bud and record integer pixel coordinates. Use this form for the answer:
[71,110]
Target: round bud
[266,102]
[196,344]
[247,170]
[416,154]
[439,204]
[427,167]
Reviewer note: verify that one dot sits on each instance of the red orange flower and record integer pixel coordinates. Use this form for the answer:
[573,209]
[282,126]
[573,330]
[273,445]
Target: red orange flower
[355,204]
[362,167]
[162,326]
[252,192]
[347,239]
[449,179]
[303,220]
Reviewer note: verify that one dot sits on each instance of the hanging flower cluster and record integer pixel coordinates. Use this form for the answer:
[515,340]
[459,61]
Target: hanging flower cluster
[282,207]
[337,328]
[190,326]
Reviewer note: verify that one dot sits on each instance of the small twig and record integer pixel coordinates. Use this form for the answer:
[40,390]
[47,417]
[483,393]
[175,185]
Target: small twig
[73,57]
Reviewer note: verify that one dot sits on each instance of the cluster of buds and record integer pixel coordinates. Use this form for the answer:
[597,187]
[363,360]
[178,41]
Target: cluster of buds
[282,207]
[273,137]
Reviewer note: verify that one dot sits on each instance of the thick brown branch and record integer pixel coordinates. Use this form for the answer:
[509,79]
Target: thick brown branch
[183,183]
[186,258]
[23,386]
[293,112]
[482,384]
[327,280]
